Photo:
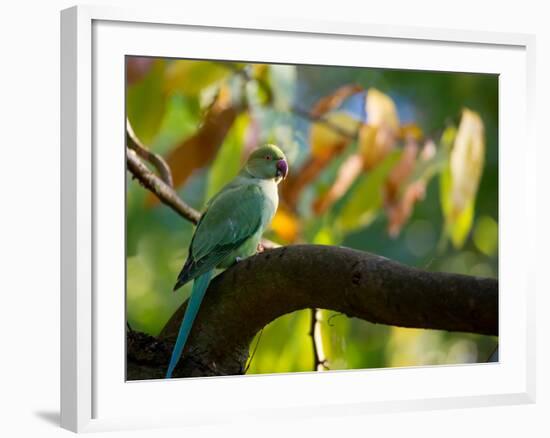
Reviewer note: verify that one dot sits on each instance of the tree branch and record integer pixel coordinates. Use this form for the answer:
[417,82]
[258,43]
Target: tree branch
[164,192]
[156,160]
[243,299]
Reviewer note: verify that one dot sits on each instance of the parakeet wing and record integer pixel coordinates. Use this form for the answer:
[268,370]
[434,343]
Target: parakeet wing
[233,216]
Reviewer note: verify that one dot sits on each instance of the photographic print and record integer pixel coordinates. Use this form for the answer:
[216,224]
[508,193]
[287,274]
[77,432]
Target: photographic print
[307,218]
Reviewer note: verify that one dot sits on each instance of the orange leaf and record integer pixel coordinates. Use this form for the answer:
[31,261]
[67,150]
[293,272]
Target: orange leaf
[199,149]
[286,225]
[401,172]
[347,173]
[399,212]
[326,143]
[332,101]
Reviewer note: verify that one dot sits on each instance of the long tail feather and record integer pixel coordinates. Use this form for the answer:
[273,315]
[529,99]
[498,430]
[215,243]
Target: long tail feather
[197,294]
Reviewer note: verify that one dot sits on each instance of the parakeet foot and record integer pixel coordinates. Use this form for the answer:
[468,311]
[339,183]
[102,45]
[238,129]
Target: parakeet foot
[260,248]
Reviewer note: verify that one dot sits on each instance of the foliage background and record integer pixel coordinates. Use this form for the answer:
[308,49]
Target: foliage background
[206,116]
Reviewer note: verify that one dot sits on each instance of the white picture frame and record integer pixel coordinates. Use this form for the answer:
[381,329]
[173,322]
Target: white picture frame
[93,395]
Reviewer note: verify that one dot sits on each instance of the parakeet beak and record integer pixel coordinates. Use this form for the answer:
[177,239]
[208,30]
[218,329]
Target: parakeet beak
[282,168]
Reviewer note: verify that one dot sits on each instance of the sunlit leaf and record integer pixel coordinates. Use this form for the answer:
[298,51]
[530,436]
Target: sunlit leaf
[467,158]
[146,103]
[460,179]
[381,110]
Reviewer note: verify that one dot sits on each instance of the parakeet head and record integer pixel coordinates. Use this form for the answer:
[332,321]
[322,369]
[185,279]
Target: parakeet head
[267,162]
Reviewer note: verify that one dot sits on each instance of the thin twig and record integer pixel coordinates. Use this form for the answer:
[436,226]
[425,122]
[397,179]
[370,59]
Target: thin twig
[156,160]
[156,185]
[334,127]
[253,352]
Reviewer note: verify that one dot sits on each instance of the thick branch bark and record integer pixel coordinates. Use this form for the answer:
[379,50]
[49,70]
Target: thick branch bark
[251,294]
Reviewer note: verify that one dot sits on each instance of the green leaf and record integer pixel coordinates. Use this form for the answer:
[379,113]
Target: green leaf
[146,104]
[228,159]
[364,203]
[462,225]
[486,235]
[181,120]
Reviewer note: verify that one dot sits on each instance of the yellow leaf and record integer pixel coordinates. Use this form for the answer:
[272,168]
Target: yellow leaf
[381,110]
[325,139]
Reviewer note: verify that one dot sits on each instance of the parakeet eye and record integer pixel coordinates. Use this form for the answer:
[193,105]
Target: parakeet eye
[268,157]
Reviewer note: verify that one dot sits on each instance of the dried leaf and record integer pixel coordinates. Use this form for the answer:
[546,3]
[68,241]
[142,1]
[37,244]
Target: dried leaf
[400,212]
[377,137]
[407,182]
[401,172]
[326,143]
[347,173]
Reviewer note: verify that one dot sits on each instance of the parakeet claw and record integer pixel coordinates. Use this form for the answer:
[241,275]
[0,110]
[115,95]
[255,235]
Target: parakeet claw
[260,248]
[239,259]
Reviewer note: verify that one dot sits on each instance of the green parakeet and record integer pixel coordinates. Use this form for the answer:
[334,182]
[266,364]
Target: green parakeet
[230,229]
